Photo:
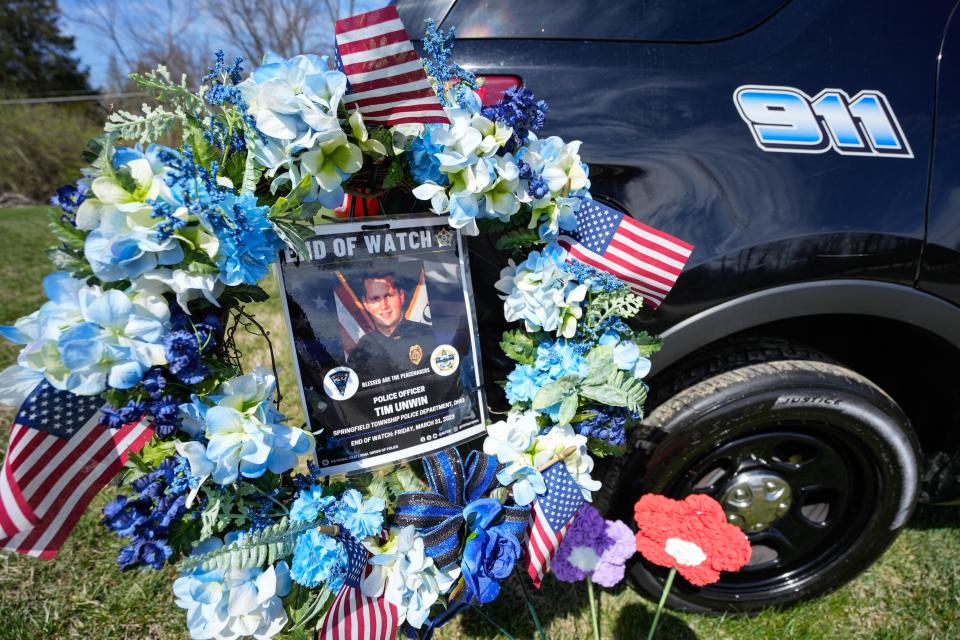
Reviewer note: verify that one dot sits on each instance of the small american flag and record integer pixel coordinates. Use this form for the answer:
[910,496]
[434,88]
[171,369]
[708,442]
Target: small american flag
[58,457]
[387,81]
[354,616]
[649,261]
[550,518]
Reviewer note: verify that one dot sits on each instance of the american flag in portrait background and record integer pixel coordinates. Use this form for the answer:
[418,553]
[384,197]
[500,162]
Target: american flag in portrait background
[354,616]
[58,457]
[386,79]
[648,260]
[550,518]
[352,319]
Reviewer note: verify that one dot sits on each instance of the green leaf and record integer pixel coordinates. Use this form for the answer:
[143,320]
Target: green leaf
[568,408]
[634,391]
[520,346]
[295,236]
[154,123]
[156,451]
[648,344]
[605,394]
[243,294]
[394,175]
[551,394]
[621,303]
[300,192]
[65,260]
[209,518]
[202,268]
[69,235]
[203,152]
[94,149]
[518,238]
[600,363]
[383,136]
[602,448]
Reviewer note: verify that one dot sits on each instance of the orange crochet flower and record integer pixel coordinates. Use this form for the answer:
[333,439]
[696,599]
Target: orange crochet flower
[690,534]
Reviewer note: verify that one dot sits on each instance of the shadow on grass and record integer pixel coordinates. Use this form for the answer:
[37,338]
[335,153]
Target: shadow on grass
[564,609]
[634,622]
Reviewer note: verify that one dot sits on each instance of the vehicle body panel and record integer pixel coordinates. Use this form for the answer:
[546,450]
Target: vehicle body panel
[665,142]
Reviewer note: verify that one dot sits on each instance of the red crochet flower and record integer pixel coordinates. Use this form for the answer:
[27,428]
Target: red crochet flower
[691,534]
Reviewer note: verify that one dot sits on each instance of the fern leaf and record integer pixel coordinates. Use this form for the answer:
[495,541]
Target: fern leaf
[255,549]
[634,390]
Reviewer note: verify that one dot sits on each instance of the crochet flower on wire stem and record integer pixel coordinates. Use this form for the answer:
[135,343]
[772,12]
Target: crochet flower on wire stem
[691,535]
[594,548]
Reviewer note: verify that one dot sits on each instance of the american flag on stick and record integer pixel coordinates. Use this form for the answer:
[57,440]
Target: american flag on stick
[387,81]
[550,518]
[647,260]
[354,616]
[58,457]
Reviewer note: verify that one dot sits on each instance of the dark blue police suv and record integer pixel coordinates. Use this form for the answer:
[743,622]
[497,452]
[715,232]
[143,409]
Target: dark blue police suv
[810,150]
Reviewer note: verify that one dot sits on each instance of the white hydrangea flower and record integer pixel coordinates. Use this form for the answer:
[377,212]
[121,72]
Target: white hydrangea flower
[579,463]
[407,578]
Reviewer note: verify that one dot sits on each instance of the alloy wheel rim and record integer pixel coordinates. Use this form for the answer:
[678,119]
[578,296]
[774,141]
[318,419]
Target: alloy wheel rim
[813,470]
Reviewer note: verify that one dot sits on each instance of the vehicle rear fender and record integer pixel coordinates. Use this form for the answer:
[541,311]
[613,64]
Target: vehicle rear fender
[817,298]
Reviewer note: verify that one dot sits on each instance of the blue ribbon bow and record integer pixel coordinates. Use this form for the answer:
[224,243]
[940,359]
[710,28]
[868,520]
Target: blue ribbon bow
[438,514]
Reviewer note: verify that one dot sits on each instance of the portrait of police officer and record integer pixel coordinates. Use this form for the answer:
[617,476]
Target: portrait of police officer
[396,344]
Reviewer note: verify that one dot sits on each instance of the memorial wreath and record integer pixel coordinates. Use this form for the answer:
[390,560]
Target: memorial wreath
[161,247]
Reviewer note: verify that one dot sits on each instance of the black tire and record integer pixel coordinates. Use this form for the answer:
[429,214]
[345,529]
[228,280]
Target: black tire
[841,445]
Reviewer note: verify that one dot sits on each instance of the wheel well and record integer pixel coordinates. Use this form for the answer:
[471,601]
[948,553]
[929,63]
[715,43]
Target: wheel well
[907,362]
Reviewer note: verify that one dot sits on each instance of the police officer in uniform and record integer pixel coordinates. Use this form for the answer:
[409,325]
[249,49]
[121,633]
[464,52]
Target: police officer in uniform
[398,344]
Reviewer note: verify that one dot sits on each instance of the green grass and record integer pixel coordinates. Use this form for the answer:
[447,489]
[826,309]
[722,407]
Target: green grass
[912,592]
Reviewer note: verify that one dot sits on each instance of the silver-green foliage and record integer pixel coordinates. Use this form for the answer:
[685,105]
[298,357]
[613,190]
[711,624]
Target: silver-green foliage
[180,105]
[623,304]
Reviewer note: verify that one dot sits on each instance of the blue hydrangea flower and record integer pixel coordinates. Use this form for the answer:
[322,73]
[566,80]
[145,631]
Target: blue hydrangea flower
[557,359]
[480,183]
[319,559]
[361,517]
[522,384]
[541,293]
[127,237]
[294,104]
[626,354]
[310,504]
[248,243]
[424,165]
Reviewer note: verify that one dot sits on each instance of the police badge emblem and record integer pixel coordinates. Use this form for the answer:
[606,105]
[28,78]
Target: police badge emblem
[416,354]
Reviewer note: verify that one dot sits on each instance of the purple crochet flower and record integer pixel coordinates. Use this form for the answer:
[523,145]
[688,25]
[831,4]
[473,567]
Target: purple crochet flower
[594,548]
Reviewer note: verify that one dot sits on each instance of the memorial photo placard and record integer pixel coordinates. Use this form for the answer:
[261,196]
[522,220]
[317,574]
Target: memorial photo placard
[385,344]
